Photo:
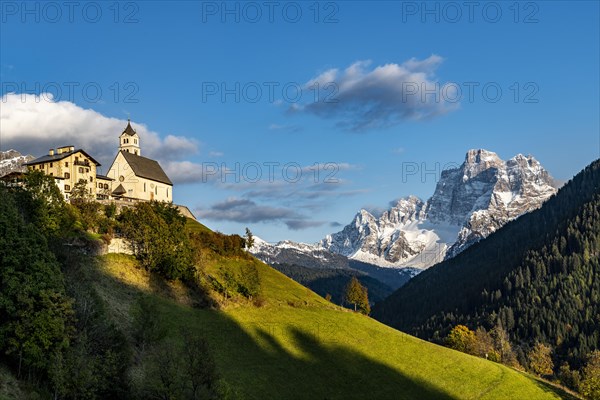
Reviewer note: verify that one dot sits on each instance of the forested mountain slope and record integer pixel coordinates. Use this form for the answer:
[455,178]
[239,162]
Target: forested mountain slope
[538,276]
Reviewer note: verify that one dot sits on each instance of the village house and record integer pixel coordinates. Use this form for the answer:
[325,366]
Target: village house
[69,166]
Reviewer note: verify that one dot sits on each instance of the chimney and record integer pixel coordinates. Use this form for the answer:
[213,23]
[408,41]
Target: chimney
[51,152]
[71,148]
[58,150]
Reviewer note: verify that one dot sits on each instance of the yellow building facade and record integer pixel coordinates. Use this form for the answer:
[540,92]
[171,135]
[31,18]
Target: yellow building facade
[68,166]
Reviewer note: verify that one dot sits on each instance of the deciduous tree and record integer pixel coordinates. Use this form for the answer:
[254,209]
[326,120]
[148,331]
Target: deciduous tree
[461,338]
[540,359]
[590,384]
[357,295]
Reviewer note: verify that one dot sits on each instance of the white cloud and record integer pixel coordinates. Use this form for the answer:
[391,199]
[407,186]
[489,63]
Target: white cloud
[33,124]
[360,98]
[190,172]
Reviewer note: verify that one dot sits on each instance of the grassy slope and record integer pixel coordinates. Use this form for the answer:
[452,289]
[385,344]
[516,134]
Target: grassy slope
[312,349]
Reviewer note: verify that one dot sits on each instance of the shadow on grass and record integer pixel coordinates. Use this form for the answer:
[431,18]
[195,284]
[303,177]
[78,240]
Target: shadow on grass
[259,367]
[287,360]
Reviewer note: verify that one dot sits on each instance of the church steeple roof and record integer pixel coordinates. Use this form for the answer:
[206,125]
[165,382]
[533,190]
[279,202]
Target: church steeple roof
[129,130]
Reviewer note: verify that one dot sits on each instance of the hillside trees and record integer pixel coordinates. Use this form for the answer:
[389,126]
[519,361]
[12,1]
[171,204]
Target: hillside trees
[493,345]
[53,329]
[88,209]
[156,232]
[36,315]
[43,205]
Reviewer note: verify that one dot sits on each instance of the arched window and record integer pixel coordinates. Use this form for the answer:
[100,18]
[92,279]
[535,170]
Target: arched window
[81,170]
[67,175]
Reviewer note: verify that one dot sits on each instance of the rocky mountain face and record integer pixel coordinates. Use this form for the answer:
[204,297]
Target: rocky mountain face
[486,192]
[11,161]
[380,240]
[469,203]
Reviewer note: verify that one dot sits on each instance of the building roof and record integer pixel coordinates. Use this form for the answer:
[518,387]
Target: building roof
[104,178]
[119,191]
[129,130]
[146,168]
[58,157]
[12,175]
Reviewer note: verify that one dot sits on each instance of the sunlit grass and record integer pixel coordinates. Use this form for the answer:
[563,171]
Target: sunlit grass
[298,345]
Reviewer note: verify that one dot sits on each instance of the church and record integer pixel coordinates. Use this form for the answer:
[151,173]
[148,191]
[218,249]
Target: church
[136,177]
[131,177]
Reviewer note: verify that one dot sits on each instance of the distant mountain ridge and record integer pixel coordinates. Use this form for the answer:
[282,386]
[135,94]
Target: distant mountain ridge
[12,161]
[306,263]
[469,203]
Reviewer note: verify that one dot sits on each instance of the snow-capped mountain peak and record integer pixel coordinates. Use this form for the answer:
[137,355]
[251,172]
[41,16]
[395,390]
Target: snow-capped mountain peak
[469,202]
[12,161]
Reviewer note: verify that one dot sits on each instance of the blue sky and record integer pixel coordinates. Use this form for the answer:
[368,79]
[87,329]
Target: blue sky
[166,61]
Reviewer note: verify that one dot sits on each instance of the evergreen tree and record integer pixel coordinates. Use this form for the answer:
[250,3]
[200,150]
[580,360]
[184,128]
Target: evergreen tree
[249,239]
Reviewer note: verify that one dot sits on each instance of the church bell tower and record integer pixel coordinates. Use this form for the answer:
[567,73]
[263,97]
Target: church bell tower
[130,141]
